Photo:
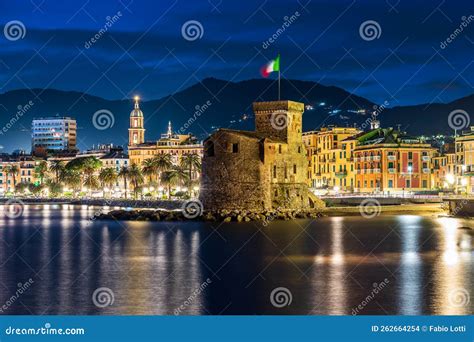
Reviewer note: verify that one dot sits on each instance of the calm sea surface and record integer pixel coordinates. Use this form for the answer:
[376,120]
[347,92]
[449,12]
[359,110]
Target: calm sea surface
[332,266]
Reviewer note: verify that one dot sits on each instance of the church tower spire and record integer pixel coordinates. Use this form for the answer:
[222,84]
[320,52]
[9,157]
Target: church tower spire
[136,132]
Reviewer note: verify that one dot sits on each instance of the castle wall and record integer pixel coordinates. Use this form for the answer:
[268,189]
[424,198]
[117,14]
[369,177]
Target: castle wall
[234,180]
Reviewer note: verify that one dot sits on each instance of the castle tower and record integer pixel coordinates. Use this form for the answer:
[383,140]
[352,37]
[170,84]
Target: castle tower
[280,119]
[136,132]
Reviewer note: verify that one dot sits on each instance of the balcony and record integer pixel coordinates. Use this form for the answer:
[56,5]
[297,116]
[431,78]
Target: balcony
[332,160]
[376,170]
[356,159]
[425,158]
[391,158]
[341,174]
[376,158]
[362,159]
[392,170]
[426,170]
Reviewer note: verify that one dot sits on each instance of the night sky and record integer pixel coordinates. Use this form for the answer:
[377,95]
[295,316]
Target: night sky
[145,52]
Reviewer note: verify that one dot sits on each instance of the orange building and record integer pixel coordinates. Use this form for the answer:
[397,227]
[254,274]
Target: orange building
[389,161]
[330,159]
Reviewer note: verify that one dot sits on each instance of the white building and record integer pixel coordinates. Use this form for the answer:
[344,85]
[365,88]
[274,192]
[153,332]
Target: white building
[53,134]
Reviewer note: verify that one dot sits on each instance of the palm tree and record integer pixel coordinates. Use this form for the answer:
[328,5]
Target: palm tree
[57,167]
[86,167]
[136,177]
[124,173]
[41,170]
[162,163]
[150,168]
[191,161]
[108,177]
[71,178]
[12,170]
[175,176]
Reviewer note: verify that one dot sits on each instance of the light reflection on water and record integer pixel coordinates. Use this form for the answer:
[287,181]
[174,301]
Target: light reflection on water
[329,265]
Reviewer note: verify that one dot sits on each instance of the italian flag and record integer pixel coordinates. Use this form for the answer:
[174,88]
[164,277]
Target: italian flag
[273,65]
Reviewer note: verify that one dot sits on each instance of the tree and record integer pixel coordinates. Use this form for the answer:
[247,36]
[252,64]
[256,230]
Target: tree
[150,168]
[86,167]
[41,170]
[124,173]
[71,178]
[55,188]
[12,170]
[136,177]
[191,162]
[162,163]
[57,167]
[21,188]
[108,177]
[175,176]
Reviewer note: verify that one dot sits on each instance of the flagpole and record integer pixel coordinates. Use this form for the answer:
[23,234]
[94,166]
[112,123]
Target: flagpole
[279,77]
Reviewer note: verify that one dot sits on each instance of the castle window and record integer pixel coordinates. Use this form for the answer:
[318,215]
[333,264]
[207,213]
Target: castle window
[286,172]
[294,169]
[209,149]
[276,193]
[235,148]
[274,171]
[279,148]
[299,149]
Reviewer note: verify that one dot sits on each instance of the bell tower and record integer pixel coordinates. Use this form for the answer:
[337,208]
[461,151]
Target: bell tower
[136,132]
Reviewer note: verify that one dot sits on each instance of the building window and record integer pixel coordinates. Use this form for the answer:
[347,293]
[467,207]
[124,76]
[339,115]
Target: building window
[408,183]
[279,148]
[235,148]
[410,155]
[294,169]
[274,171]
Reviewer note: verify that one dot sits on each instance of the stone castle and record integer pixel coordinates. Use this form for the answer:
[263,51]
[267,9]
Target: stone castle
[261,170]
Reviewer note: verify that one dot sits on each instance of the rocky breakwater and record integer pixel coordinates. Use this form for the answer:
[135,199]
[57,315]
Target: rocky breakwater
[210,216]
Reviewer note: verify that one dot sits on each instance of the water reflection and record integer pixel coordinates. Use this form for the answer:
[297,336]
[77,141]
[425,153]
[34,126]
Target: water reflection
[329,265]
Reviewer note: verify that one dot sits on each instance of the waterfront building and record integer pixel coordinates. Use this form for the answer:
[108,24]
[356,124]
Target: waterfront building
[262,169]
[443,169]
[389,161]
[16,169]
[53,134]
[176,145]
[330,157]
[465,162]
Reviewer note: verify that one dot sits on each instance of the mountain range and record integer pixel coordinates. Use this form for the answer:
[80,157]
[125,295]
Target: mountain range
[207,105]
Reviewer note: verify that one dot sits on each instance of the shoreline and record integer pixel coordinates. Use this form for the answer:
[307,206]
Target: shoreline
[175,210]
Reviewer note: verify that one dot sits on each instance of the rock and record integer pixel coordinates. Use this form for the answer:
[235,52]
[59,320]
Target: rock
[227,219]
[239,218]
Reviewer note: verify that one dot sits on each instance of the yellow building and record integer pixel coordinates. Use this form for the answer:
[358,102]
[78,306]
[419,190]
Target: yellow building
[443,169]
[24,166]
[465,162]
[330,157]
[176,145]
